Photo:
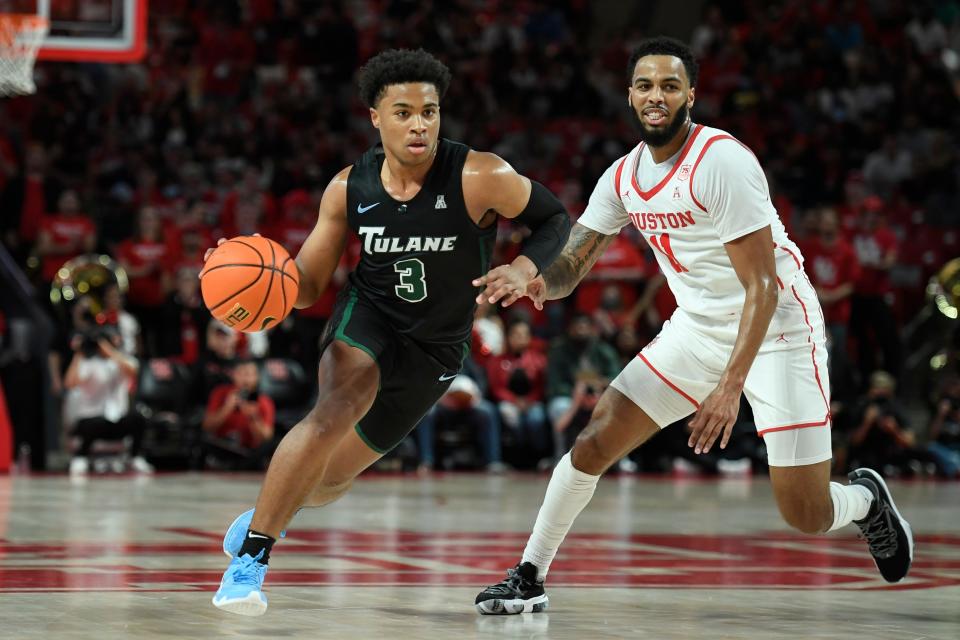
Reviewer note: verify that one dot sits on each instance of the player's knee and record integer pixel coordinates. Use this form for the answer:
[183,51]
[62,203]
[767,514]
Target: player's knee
[589,454]
[333,414]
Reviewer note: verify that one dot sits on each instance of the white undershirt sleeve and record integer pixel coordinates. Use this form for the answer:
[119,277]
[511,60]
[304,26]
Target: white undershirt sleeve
[605,212]
[732,187]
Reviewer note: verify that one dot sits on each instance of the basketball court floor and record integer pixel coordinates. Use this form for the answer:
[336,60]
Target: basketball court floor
[404,556]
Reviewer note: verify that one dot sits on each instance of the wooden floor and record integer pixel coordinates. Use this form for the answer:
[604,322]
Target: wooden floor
[404,556]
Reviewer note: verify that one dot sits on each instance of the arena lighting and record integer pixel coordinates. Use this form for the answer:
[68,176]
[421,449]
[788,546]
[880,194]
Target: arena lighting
[944,289]
[87,275]
[945,307]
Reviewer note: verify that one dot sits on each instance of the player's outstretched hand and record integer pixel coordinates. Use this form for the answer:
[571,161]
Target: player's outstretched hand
[510,283]
[209,252]
[716,416]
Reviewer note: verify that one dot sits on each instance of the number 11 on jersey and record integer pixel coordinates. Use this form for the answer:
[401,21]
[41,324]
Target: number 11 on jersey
[413,283]
[662,244]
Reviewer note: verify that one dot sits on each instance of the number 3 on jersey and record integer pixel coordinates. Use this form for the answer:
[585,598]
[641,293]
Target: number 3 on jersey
[662,244]
[413,284]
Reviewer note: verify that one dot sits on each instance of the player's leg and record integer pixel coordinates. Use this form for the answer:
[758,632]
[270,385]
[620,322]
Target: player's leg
[349,376]
[659,387]
[348,385]
[789,388]
[351,457]
[616,427]
[803,496]
[811,503]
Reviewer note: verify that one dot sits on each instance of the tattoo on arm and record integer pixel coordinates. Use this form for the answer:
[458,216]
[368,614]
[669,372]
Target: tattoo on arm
[583,248]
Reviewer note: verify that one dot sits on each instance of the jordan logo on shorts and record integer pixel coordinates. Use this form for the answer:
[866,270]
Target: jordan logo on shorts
[782,338]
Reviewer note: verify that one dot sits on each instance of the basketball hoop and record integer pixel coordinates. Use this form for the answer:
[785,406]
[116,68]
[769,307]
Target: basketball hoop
[20,37]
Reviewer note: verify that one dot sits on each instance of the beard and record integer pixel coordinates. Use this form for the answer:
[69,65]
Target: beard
[661,136]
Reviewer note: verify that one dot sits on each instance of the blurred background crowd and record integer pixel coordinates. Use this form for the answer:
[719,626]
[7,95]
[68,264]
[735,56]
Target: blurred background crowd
[243,110]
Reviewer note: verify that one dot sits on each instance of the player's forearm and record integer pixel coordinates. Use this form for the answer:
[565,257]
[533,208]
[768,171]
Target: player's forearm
[581,252]
[561,277]
[310,288]
[758,309]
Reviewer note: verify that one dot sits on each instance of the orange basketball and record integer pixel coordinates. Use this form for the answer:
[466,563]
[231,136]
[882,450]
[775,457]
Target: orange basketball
[249,283]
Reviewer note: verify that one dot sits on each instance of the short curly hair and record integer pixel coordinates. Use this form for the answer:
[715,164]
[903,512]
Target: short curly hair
[397,66]
[664,46]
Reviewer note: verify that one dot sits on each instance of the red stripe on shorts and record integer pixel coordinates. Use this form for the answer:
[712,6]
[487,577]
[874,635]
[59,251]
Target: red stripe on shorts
[668,383]
[801,425]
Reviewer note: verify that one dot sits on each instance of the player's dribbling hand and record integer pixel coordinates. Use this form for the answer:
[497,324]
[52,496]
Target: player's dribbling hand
[716,415]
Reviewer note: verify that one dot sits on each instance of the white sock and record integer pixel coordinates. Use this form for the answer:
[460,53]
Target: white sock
[567,494]
[850,502]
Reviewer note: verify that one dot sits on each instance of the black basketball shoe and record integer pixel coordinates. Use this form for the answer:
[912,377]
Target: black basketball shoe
[520,592]
[887,534]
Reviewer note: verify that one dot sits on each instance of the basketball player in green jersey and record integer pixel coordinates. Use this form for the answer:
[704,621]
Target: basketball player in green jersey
[426,211]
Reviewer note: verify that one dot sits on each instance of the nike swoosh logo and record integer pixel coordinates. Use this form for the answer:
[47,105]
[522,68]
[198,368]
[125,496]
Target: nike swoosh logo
[447,376]
[257,535]
[363,209]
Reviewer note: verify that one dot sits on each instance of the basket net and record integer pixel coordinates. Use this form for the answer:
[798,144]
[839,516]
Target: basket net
[20,38]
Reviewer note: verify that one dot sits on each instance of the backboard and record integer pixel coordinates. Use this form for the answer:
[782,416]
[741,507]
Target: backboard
[89,30]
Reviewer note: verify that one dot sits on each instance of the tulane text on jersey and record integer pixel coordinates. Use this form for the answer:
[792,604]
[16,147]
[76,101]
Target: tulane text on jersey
[375,242]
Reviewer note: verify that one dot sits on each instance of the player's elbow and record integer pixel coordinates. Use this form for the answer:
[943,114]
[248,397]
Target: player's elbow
[765,289]
[306,297]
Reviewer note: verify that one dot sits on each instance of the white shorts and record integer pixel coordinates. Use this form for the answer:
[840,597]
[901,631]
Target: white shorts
[788,386]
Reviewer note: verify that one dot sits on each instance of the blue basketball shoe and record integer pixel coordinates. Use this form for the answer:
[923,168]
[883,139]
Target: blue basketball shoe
[233,538]
[241,589]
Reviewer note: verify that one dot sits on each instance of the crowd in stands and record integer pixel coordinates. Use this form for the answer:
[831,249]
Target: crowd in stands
[243,110]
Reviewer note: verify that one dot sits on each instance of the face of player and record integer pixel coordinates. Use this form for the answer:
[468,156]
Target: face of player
[661,96]
[408,117]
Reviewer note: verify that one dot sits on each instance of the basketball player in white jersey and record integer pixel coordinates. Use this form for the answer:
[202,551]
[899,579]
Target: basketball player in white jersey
[748,322]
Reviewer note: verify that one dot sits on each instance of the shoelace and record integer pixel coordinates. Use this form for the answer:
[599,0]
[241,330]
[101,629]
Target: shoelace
[248,570]
[514,584]
[880,534]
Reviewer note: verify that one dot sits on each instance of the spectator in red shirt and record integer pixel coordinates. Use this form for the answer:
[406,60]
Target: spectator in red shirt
[144,257]
[64,235]
[517,379]
[833,268]
[871,318]
[239,414]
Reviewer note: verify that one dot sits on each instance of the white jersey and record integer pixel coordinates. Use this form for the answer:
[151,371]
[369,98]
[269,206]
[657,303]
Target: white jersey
[710,192]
